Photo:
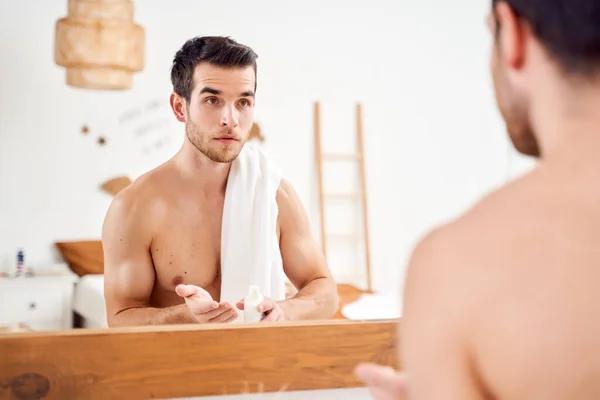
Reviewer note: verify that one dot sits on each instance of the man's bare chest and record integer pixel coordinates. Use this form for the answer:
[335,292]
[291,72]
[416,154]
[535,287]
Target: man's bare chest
[188,251]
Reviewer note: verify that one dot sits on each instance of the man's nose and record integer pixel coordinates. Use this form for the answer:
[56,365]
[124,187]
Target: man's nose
[229,116]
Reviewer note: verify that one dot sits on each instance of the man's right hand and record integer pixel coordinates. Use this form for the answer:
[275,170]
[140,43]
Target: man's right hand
[202,306]
[384,383]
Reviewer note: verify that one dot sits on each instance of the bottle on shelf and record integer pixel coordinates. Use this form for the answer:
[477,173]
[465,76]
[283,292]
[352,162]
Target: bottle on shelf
[20,263]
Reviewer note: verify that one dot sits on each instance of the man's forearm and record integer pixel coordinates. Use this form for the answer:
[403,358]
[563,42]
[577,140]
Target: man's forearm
[317,300]
[179,314]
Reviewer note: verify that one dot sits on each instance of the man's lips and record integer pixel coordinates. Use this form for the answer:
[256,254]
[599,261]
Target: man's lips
[227,139]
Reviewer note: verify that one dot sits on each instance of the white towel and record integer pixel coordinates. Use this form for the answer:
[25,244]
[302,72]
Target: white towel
[250,254]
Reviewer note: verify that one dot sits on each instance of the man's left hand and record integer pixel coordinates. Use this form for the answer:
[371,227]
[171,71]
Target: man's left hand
[272,310]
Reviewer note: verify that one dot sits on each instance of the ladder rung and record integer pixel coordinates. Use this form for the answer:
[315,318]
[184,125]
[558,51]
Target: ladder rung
[341,156]
[343,195]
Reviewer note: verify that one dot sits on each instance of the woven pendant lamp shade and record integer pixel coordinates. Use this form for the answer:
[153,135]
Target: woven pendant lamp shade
[99,44]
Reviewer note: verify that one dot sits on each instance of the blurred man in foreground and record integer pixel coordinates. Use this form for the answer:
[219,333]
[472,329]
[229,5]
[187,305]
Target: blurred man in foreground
[503,303]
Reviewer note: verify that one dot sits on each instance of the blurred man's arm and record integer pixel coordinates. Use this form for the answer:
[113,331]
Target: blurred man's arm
[435,333]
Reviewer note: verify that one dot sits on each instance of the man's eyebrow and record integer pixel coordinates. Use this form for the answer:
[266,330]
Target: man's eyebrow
[210,90]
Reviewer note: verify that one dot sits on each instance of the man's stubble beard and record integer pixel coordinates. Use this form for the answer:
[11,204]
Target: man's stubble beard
[196,139]
[514,108]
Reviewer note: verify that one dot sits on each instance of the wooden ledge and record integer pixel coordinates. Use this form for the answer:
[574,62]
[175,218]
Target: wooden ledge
[191,360]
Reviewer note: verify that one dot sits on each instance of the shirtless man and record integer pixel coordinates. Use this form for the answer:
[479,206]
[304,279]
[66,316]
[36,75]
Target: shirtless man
[162,234]
[503,303]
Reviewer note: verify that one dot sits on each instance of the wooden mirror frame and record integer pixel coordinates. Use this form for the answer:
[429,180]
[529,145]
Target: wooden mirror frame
[191,360]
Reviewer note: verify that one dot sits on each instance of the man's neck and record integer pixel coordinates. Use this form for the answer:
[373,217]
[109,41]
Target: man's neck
[567,121]
[195,166]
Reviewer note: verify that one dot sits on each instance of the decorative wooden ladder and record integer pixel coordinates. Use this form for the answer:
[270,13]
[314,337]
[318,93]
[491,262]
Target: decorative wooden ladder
[361,195]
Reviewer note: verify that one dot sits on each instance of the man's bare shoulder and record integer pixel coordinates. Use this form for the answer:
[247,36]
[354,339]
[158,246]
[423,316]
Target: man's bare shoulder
[286,194]
[519,214]
[292,216]
[289,202]
[456,273]
[505,273]
[484,238]
[143,196]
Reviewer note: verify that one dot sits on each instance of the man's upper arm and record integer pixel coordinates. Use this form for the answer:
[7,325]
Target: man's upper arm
[128,269]
[303,259]
[437,309]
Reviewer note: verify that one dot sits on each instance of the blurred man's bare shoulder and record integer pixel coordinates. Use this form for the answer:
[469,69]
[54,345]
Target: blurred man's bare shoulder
[484,242]
[524,258]
[497,213]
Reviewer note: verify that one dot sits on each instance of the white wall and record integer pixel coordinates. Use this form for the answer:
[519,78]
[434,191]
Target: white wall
[434,141]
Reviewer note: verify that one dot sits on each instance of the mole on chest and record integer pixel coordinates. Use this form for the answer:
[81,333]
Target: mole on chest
[209,277]
[191,263]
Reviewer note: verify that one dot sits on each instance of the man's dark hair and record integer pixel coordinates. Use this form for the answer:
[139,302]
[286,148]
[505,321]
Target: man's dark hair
[568,29]
[216,50]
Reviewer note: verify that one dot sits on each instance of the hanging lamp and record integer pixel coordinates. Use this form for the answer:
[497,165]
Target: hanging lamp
[99,44]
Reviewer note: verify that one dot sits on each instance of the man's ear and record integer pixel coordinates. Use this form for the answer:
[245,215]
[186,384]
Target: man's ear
[512,36]
[178,106]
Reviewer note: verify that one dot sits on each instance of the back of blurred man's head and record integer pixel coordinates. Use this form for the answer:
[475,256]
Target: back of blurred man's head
[540,48]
